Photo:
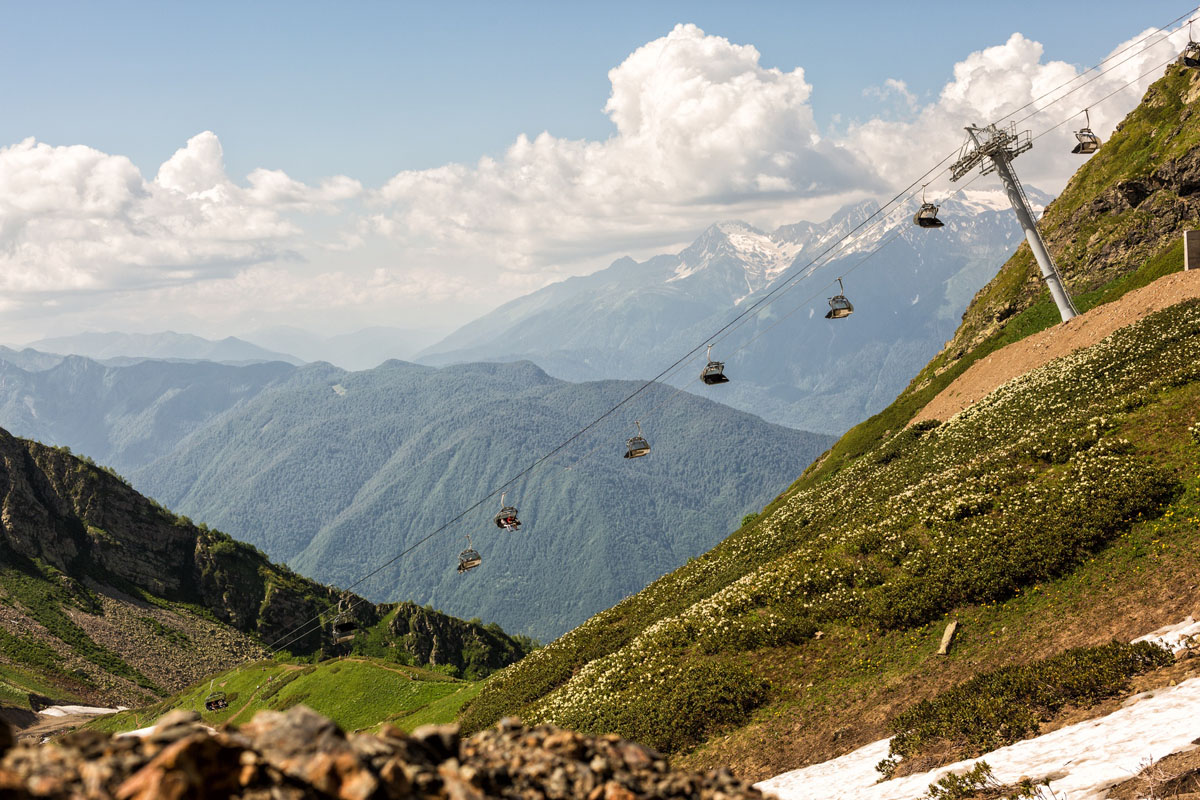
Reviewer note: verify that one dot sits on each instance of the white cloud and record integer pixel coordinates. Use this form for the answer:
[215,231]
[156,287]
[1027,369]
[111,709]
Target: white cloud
[75,219]
[700,128]
[702,131]
[992,83]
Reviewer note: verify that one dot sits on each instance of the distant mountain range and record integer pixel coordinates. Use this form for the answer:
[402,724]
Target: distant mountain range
[362,349]
[337,472]
[165,345]
[633,318]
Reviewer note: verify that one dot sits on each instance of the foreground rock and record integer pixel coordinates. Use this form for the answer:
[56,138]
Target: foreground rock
[300,754]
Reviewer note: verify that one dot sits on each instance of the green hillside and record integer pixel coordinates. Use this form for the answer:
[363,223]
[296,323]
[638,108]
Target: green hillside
[106,597]
[356,693]
[1059,511]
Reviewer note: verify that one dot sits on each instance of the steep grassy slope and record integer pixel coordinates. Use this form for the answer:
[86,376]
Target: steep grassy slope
[1061,510]
[1021,488]
[107,597]
[356,693]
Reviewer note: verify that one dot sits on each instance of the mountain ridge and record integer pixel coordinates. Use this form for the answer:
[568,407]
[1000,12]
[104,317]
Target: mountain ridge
[109,597]
[631,318]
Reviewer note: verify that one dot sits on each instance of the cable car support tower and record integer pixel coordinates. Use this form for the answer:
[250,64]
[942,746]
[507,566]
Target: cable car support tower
[995,148]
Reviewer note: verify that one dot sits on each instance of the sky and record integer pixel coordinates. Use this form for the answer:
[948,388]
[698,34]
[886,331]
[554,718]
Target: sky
[216,168]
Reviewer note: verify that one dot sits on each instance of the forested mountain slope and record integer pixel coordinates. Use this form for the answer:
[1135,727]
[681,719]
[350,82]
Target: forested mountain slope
[338,472]
[107,597]
[334,471]
[1059,510]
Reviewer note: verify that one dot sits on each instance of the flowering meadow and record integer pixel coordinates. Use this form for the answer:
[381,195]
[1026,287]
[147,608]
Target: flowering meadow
[1018,488]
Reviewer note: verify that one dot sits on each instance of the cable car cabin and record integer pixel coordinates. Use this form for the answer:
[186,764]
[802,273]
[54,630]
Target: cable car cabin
[636,447]
[839,307]
[714,373]
[1088,142]
[215,702]
[1191,55]
[506,519]
[343,630]
[468,559]
[926,216]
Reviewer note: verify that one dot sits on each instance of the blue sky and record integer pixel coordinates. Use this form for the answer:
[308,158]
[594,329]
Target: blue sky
[368,89]
[218,167]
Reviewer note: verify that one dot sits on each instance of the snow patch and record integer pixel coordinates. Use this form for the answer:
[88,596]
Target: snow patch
[1173,637]
[1086,759]
[62,711]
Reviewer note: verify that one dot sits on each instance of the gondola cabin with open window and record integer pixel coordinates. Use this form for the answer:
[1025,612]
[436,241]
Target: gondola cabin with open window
[927,214]
[215,701]
[506,517]
[469,559]
[1086,141]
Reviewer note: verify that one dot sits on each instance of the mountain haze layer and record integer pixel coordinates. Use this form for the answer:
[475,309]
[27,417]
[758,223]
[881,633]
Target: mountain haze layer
[168,345]
[361,349]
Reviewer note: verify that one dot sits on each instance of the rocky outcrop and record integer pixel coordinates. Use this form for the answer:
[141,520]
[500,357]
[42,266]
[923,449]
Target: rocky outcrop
[89,550]
[474,649]
[300,754]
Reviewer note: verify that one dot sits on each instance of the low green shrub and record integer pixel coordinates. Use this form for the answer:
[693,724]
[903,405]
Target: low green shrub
[1006,705]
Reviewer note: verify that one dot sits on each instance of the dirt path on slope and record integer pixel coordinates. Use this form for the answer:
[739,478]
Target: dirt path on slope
[989,373]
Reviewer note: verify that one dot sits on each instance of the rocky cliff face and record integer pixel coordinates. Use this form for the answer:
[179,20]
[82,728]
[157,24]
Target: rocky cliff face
[433,638]
[83,521]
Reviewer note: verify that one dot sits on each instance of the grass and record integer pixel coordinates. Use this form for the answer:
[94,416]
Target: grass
[1023,490]
[16,684]
[355,693]
[1135,584]
[438,712]
[44,593]
[1004,705]
[930,381]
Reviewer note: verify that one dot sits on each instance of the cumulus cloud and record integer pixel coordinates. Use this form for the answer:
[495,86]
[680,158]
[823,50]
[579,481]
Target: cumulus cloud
[993,82]
[702,131]
[700,127]
[76,219]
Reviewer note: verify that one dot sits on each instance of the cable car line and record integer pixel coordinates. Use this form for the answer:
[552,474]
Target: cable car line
[305,628]
[1097,76]
[1116,91]
[1158,30]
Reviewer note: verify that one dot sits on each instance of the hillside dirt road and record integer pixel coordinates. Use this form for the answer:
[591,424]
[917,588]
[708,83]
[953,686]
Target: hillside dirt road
[989,373]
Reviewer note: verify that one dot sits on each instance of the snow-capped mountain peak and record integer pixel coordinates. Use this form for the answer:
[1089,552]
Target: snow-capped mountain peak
[759,255]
